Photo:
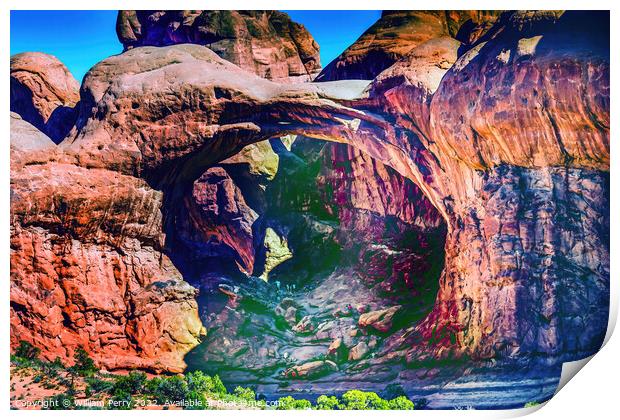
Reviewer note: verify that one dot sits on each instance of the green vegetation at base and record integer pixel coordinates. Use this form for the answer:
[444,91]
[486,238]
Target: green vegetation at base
[290,403]
[351,400]
[327,403]
[194,390]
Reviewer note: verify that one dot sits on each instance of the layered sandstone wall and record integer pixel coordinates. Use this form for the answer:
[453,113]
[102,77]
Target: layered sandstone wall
[520,125]
[87,268]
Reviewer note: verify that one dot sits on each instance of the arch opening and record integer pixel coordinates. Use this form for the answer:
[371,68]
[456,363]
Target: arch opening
[311,258]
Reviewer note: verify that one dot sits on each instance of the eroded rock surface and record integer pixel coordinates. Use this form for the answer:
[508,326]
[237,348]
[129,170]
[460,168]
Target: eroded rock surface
[398,32]
[87,268]
[44,93]
[267,43]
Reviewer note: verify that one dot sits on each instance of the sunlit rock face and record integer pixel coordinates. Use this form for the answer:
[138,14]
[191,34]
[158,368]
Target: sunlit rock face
[529,189]
[492,138]
[396,33]
[267,43]
[87,268]
[44,93]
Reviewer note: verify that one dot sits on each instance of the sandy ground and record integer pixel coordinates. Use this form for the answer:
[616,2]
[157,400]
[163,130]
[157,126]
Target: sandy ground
[30,389]
[29,394]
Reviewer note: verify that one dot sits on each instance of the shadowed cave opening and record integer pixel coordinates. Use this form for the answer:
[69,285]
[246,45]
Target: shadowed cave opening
[290,243]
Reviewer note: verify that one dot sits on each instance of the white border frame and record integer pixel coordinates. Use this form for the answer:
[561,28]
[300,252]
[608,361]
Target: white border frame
[593,395]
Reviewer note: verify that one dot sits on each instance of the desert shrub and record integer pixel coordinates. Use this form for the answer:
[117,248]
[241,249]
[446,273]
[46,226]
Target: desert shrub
[360,400]
[52,368]
[290,403]
[327,403]
[218,386]
[244,393]
[400,403]
[25,350]
[392,391]
[132,383]
[168,389]
[121,400]
[84,365]
[200,382]
[196,401]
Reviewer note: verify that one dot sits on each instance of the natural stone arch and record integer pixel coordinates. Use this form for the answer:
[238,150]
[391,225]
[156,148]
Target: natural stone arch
[159,126]
[528,267]
[217,111]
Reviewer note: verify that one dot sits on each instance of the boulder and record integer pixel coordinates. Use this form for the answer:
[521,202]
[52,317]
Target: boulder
[358,351]
[311,370]
[44,93]
[380,320]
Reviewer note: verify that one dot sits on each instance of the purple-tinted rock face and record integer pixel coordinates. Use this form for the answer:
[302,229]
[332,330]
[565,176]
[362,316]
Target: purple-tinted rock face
[267,43]
[465,212]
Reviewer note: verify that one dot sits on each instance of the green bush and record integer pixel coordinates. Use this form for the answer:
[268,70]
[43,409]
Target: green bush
[97,385]
[218,386]
[121,400]
[360,400]
[196,401]
[168,389]
[401,403]
[290,403]
[201,382]
[392,391]
[84,365]
[52,368]
[132,383]
[244,393]
[25,350]
[327,403]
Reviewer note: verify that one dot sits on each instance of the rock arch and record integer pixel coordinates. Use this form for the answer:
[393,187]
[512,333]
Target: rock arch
[527,253]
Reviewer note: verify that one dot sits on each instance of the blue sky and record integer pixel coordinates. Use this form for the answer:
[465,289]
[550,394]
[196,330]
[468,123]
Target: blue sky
[80,39]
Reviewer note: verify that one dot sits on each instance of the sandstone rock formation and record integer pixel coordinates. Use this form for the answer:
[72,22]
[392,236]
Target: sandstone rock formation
[513,193]
[218,221]
[311,369]
[267,43]
[44,93]
[87,268]
[398,32]
[358,351]
[507,139]
[379,320]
